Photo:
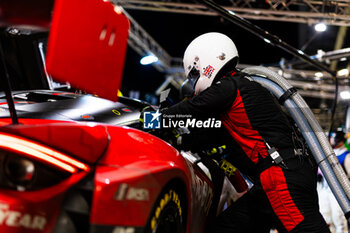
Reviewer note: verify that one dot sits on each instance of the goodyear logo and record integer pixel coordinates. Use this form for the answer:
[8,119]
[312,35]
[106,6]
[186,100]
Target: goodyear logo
[17,219]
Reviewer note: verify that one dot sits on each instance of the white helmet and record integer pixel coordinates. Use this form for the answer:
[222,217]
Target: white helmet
[205,56]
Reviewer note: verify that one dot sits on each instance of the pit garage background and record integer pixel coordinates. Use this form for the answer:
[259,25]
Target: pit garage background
[164,29]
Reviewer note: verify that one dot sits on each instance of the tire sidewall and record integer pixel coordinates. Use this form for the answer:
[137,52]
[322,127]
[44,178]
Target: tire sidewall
[169,204]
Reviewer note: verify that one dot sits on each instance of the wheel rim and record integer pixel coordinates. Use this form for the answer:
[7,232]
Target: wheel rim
[169,221]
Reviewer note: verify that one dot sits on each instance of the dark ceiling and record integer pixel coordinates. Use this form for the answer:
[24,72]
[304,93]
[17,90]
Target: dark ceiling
[175,31]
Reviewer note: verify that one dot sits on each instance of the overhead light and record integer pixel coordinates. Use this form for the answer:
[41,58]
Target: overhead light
[149,59]
[345,95]
[320,27]
[343,72]
[320,52]
[318,74]
[267,41]
[301,52]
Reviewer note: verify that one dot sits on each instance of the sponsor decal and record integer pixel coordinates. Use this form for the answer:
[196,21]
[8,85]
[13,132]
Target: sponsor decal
[155,120]
[126,110]
[14,218]
[116,112]
[87,117]
[131,193]
[202,193]
[115,229]
[123,230]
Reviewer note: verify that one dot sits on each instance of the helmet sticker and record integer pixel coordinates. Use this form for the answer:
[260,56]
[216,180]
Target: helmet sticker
[208,71]
[222,56]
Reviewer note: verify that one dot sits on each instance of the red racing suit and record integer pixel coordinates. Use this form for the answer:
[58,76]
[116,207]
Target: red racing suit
[252,117]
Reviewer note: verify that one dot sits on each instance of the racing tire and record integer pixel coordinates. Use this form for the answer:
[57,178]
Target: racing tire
[168,214]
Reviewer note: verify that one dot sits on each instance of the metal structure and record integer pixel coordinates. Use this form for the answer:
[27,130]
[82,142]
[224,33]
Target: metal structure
[329,12]
[298,11]
[144,44]
[341,54]
[309,83]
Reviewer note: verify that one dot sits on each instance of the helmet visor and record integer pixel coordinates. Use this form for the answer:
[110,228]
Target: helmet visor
[193,77]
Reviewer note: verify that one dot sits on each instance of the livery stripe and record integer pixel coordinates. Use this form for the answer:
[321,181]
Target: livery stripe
[274,184]
[240,128]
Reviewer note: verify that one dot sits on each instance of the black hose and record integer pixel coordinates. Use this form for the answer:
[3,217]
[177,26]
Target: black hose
[4,79]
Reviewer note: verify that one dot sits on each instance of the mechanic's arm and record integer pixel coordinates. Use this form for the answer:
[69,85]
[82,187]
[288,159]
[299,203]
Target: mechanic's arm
[214,100]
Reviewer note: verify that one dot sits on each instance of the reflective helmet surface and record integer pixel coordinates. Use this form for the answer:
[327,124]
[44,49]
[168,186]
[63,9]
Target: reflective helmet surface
[186,90]
[205,56]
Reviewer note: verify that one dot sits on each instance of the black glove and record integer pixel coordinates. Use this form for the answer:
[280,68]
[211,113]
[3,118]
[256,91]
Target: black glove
[171,136]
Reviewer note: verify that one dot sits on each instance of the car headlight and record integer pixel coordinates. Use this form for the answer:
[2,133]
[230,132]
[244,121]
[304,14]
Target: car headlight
[20,171]
[28,165]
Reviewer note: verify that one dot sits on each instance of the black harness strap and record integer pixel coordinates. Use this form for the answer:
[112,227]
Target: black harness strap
[286,95]
[267,162]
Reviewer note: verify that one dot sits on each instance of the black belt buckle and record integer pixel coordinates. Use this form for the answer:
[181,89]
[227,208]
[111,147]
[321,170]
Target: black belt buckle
[276,157]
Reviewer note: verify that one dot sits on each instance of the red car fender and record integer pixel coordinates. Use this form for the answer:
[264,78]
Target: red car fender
[33,211]
[131,175]
[84,141]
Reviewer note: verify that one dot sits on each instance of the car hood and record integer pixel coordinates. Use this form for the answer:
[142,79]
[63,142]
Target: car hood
[45,104]
[68,122]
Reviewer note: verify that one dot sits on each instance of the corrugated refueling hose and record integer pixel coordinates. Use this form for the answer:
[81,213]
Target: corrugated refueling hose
[312,132]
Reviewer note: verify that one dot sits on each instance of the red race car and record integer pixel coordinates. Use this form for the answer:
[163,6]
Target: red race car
[67,176]
[78,163]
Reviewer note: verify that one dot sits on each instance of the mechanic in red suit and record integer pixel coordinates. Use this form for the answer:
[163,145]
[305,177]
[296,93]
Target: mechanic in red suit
[284,195]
